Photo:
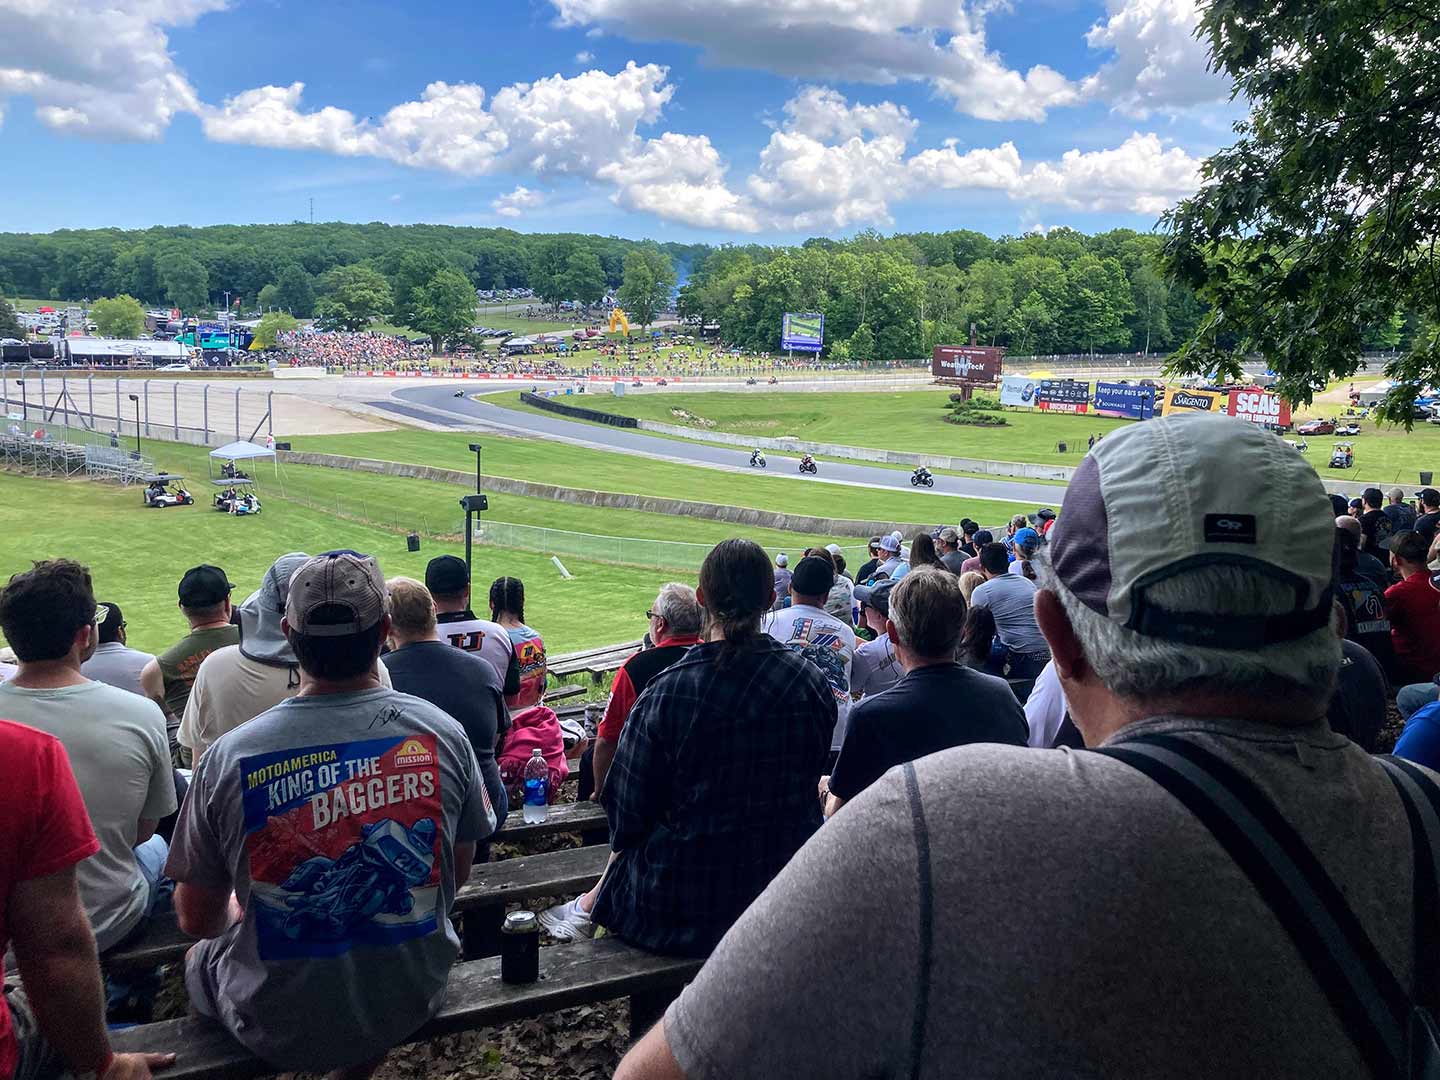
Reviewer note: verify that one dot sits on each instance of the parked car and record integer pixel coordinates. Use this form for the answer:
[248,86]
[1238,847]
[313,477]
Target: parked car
[1316,427]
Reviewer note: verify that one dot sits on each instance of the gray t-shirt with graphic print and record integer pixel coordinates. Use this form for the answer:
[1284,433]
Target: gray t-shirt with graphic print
[333,817]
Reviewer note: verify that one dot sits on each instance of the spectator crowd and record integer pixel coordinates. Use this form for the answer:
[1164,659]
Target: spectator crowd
[350,350]
[1093,793]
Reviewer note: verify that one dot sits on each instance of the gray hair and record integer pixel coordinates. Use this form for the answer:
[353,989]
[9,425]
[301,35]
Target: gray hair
[1134,666]
[676,604]
[928,610]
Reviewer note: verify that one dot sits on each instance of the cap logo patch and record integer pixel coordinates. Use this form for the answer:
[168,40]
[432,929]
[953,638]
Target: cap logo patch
[1230,529]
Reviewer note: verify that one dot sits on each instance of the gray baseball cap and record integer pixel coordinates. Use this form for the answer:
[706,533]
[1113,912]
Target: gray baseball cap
[345,581]
[1173,494]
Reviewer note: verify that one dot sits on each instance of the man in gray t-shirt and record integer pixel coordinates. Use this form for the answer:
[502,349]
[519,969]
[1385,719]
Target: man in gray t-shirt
[1011,600]
[342,819]
[1017,912]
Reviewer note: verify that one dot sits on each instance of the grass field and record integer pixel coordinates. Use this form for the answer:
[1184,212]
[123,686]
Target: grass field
[137,557]
[910,420]
[574,466]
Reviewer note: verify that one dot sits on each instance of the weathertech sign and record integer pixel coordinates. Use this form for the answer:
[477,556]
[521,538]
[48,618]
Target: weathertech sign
[1258,407]
[967,363]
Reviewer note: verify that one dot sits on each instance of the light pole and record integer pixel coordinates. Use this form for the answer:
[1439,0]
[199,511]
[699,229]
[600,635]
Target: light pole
[136,399]
[473,505]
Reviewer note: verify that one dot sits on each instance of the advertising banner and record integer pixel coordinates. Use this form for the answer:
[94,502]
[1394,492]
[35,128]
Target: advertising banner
[967,363]
[1123,400]
[1018,390]
[1178,399]
[1259,407]
[803,333]
[1063,396]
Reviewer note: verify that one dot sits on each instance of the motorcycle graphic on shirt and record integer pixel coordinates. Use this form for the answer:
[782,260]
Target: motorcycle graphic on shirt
[344,843]
[825,650]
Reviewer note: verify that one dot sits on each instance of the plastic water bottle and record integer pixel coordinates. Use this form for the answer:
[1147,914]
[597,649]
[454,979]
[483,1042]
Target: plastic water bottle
[537,784]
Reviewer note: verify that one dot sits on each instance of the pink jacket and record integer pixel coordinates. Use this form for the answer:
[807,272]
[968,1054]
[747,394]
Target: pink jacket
[535,727]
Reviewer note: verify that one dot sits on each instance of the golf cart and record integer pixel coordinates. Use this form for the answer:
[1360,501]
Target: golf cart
[1343,456]
[1348,427]
[164,490]
[236,497]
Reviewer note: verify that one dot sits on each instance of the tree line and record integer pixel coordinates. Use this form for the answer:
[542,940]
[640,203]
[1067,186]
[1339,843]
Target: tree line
[882,297]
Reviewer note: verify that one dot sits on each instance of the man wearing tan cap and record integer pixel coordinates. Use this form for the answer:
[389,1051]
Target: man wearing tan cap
[320,845]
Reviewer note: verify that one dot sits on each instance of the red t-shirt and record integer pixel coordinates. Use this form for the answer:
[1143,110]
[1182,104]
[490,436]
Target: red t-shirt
[1414,610]
[45,830]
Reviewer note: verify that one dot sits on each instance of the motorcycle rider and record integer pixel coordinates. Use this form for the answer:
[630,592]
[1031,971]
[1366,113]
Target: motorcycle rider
[756,456]
[807,462]
[922,473]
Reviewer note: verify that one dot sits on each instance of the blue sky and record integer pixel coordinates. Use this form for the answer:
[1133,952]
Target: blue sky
[677,119]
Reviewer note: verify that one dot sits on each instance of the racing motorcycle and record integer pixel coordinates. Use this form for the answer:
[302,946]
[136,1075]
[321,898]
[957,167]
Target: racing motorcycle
[921,478]
[757,459]
[807,465]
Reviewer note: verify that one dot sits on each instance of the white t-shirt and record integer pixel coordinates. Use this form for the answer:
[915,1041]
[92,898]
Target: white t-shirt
[827,643]
[491,640]
[232,689]
[118,749]
[1045,708]
[875,668]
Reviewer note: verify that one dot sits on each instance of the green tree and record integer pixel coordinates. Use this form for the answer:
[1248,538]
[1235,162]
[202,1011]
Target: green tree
[583,279]
[1031,326]
[988,297]
[649,281]
[444,306]
[273,323]
[547,269]
[10,322]
[1152,297]
[295,292]
[269,297]
[351,297]
[118,316]
[1321,219]
[862,343]
[186,283]
[413,273]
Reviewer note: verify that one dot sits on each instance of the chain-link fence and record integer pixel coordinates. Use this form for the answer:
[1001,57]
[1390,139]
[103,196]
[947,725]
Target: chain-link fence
[85,407]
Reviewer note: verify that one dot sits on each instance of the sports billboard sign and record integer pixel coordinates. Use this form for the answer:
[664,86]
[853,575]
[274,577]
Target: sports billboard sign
[803,333]
[1018,390]
[1178,400]
[1258,407]
[1124,400]
[1063,396]
[967,363]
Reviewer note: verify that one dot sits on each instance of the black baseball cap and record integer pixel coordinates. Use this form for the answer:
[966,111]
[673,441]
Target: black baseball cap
[204,586]
[813,576]
[1429,496]
[446,575]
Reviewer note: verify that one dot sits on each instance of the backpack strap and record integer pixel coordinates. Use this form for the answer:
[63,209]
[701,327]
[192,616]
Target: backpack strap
[1354,977]
[1421,798]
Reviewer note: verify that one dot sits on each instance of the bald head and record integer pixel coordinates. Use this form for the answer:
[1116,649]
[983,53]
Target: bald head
[1350,525]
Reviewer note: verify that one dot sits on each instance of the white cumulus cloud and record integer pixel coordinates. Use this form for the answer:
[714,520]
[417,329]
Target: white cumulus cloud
[939,42]
[1158,64]
[98,68]
[515,203]
[585,56]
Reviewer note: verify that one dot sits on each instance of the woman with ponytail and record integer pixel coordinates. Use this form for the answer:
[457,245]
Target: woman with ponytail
[507,607]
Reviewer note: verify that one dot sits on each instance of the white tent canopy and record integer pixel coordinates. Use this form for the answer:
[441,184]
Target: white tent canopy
[241,451]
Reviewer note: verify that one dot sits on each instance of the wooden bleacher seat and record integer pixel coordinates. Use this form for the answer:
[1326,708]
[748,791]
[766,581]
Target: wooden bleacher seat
[576,974]
[480,901]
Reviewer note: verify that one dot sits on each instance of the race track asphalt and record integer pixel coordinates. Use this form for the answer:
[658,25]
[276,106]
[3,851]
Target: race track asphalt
[470,413]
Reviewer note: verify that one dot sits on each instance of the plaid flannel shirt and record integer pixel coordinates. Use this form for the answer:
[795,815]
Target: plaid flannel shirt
[712,790]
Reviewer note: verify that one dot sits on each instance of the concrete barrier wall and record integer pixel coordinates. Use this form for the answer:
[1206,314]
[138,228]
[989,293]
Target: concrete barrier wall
[870,453]
[738,515]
